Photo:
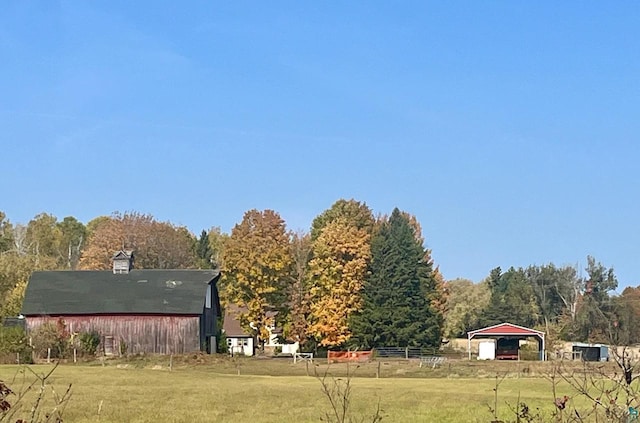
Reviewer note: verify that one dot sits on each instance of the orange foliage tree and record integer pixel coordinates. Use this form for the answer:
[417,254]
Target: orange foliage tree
[341,255]
[156,245]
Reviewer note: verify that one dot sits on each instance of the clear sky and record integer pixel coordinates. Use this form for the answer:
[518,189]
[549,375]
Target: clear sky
[510,129]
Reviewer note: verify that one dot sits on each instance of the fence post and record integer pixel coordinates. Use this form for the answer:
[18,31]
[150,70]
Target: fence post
[406,353]
[48,355]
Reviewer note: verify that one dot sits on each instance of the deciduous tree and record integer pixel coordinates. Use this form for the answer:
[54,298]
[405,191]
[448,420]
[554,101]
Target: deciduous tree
[156,245]
[352,212]
[6,233]
[73,235]
[338,268]
[298,325]
[217,242]
[466,303]
[595,311]
[257,269]
[44,236]
[626,317]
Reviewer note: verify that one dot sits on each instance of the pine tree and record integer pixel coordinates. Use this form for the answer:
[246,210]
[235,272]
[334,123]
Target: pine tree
[203,251]
[398,296]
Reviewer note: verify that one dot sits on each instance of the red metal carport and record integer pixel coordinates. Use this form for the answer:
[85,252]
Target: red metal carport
[508,330]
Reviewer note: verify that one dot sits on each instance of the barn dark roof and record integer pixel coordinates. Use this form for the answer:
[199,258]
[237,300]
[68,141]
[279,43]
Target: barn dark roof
[103,292]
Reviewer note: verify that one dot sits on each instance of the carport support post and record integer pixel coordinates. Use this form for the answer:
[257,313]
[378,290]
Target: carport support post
[469,346]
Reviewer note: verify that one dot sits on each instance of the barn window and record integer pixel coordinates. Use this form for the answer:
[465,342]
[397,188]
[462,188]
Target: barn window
[123,261]
[207,300]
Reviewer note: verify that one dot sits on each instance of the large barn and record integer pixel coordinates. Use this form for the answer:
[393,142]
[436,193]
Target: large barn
[134,311]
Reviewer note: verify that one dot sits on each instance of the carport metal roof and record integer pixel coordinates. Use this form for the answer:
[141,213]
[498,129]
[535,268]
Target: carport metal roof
[506,329]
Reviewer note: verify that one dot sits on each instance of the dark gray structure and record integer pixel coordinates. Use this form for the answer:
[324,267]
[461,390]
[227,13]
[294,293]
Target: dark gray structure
[150,311]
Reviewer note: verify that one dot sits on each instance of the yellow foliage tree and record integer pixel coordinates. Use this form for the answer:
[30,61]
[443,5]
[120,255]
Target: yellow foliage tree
[341,255]
[13,300]
[297,326]
[257,266]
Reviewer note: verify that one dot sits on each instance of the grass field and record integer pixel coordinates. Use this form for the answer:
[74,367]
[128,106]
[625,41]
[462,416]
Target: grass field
[143,391]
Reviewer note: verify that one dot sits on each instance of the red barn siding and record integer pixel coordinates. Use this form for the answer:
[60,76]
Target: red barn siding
[148,334]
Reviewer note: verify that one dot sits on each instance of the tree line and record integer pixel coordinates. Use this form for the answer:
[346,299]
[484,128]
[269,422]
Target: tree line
[352,280]
[566,302]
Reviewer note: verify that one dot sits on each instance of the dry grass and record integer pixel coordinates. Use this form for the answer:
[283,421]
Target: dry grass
[210,390]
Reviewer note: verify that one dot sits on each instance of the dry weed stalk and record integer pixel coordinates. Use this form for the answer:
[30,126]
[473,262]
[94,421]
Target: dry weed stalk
[18,410]
[338,392]
[610,395]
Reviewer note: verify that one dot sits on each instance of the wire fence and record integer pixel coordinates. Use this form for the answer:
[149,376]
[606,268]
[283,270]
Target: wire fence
[405,352]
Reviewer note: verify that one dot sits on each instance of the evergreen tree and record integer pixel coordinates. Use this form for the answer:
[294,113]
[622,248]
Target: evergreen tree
[398,307]
[512,299]
[203,251]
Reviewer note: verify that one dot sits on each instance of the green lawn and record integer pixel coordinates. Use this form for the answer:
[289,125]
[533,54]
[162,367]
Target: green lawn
[216,393]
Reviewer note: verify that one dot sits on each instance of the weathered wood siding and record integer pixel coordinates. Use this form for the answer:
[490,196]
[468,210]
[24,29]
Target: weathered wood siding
[148,334]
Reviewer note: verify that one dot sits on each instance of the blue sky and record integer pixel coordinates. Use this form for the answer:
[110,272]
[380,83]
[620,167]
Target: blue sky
[510,129]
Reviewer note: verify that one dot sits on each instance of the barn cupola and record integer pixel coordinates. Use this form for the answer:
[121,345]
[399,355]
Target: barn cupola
[123,261]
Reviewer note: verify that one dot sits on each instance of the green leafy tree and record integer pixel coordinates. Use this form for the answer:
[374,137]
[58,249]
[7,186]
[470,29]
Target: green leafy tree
[15,270]
[217,242]
[257,269]
[44,237]
[6,233]
[466,303]
[555,289]
[13,300]
[73,235]
[595,311]
[625,321]
[399,296]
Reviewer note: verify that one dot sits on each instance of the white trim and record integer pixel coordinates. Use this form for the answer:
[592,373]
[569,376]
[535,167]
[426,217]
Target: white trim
[474,332]
[531,332]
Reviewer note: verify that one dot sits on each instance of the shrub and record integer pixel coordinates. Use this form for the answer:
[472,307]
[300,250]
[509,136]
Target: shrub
[89,342]
[222,343]
[51,335]
[14,346]
[123,348]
